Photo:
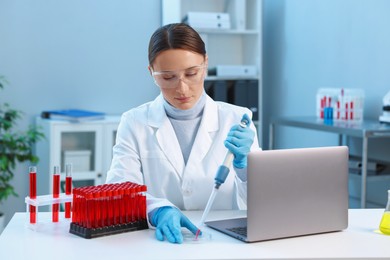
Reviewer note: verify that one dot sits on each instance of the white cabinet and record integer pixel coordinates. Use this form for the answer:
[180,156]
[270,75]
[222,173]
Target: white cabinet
[87,145]
[241,46]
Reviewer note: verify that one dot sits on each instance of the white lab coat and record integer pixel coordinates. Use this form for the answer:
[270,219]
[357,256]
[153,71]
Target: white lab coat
[148,152]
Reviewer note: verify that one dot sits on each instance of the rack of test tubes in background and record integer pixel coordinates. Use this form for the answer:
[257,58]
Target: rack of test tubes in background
[93,210]
[340,104]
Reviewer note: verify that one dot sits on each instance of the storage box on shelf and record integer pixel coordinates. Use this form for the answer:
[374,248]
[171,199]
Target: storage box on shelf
[80,160]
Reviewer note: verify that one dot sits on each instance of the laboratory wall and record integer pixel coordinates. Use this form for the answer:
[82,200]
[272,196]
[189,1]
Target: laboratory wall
[89,54]
[311,44]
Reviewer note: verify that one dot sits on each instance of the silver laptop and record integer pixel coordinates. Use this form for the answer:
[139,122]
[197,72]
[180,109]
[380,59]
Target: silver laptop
[292,192]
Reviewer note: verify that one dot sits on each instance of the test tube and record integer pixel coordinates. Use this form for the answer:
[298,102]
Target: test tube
[143,210]
[75,204]
[68,188]
[351,107]
[98,206]
[56,193]
[33,192]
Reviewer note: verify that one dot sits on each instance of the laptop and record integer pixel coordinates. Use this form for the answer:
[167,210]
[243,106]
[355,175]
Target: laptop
[292,192]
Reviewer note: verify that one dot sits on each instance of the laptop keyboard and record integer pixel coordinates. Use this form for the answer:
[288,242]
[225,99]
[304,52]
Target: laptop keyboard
[238,230]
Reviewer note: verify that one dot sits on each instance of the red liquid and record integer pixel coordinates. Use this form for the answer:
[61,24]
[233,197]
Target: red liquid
[68,191]
[351,114]
[33,195]
[56,194]
[338,109]
[75,211]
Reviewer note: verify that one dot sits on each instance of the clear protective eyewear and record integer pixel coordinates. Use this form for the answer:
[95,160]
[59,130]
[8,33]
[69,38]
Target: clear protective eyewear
[170,79]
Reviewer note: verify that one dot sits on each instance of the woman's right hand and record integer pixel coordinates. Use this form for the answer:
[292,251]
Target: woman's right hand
[168,222]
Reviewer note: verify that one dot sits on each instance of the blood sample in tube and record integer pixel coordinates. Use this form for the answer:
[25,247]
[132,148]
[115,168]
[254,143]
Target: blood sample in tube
[33,193]
[351,107]
[56,193]
[68,188]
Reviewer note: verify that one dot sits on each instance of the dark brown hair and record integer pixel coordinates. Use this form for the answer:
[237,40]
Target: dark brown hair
[175,36]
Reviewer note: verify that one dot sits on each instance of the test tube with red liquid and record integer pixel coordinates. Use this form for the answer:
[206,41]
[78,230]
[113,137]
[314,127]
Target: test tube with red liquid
[351,107]
[338,109]
[68,189]
[33,193]
[56,193]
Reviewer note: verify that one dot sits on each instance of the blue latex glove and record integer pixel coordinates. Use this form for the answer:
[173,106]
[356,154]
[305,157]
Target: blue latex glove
[168,222]
[239,142]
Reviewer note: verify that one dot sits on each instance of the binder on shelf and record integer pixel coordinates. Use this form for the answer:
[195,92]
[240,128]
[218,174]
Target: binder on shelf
[220,91]
[206,16]
[208,20]
[246,94]
[234,71]
[72,115]
[217,90]
[242,92]
[253,98]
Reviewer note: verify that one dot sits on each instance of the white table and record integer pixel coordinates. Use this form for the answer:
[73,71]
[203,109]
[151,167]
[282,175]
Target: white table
[53,241]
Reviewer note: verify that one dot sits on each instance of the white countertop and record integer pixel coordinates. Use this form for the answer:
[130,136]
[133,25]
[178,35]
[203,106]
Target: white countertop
[361,240]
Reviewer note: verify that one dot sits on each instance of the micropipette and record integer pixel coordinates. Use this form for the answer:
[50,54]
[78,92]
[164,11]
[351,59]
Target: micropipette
[221,175]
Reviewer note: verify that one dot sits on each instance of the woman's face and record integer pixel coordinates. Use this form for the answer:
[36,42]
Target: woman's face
[180,76]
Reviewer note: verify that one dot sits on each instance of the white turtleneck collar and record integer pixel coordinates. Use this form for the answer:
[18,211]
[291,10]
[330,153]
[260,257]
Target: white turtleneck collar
[179,114]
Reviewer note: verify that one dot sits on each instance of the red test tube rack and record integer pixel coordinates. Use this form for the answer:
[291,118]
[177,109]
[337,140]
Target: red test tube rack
[108,209]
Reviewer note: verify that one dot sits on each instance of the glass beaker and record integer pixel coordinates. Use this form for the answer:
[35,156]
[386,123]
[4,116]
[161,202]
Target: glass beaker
[384,226]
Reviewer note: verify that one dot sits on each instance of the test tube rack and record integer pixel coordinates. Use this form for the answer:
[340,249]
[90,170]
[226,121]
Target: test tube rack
[44,200]
[108,209]
[338,104]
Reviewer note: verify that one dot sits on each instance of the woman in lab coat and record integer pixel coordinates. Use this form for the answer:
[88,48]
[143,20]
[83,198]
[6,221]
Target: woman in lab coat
[175,143]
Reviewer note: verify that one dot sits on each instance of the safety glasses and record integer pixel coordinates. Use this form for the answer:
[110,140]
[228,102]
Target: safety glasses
[170,79]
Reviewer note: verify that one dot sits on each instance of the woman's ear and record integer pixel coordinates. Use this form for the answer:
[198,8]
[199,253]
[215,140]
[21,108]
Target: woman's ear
[150,70]
[206,60]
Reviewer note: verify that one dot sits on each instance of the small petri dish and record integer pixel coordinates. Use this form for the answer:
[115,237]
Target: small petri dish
[190,238]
